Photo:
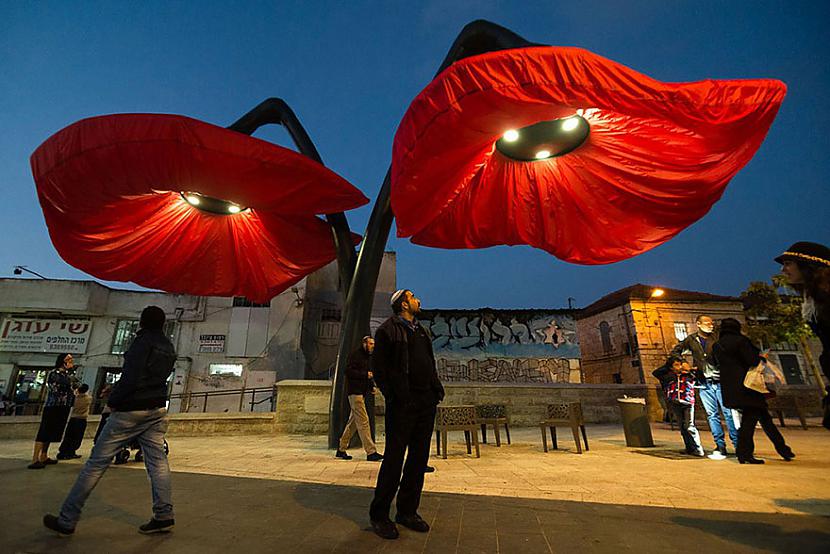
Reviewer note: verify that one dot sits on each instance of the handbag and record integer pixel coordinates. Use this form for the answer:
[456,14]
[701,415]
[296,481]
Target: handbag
[773,377]
[754,379]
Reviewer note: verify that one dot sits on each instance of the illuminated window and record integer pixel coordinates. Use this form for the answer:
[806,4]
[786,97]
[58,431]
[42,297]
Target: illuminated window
[125,330]
[680,330]
[226,369]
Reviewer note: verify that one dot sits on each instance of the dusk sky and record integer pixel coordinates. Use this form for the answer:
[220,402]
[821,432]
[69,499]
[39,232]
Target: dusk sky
[350,70]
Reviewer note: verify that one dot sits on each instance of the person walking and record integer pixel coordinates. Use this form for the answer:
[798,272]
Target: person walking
[806,266]
[404,369]
[75,429]
[707,382]
[735,355]
[358,384]
[138,402]
[56,410]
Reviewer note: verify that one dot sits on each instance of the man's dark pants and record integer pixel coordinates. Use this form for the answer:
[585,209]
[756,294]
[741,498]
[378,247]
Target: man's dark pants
[407,427]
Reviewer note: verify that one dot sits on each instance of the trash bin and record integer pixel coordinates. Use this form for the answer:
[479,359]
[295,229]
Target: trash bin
[635,422]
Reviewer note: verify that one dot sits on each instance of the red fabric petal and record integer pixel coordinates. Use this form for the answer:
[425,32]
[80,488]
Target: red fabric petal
[110,192]
[658,157]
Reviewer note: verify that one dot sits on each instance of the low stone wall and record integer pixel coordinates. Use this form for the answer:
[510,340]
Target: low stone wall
[181,425]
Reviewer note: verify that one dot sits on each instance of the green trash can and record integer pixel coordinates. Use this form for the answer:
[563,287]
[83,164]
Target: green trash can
[635,422]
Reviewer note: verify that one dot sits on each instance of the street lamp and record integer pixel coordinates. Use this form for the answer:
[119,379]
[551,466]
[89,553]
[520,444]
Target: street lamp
[657,293]
[19,269]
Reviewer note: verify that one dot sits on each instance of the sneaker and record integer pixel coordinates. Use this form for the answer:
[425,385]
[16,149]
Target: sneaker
[374,457]
[51,522]
[429,469]
[156,526]
[414,522]
[36,465]
[342,455]
[717,455]
[385,529]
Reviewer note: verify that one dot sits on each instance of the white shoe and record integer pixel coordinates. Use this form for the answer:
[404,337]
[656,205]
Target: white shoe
[716,455]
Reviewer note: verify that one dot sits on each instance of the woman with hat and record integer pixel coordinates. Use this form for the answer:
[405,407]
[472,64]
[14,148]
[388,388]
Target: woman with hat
[806,265]
[56,410]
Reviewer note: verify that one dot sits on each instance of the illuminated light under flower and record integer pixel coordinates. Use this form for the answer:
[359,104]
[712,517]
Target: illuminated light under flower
[511,136]
[211,205]
[542,154]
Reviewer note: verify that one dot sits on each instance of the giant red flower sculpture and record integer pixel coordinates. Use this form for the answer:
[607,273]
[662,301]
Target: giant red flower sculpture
[567,151]
[180,205]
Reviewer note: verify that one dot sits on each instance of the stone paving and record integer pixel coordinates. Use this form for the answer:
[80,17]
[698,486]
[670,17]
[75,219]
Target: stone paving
[268,493]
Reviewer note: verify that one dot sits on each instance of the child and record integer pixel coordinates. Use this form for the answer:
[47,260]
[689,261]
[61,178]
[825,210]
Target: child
[679,384]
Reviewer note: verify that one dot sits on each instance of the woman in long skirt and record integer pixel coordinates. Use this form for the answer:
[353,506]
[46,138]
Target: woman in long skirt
[56,410]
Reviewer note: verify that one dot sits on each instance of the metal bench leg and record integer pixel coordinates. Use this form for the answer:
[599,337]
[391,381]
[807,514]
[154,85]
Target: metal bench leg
[484,433]
[475,442]
[544,438]
[444,443]
[585,436]
[507,432]
[467,440]
[438,442]
[496,432]
[578,442]
[553,437]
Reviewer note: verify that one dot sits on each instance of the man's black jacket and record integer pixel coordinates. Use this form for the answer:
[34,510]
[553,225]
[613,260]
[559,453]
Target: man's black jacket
[357,372]
[390,362]
[703,361]
[147,365]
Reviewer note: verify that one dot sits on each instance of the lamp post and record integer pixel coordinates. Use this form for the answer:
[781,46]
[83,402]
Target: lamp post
[19,269]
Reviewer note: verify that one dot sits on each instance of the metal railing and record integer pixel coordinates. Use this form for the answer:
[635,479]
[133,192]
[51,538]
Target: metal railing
[190,400]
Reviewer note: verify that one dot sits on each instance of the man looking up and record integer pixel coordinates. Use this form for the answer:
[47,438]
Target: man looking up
[404,369]
[707,375]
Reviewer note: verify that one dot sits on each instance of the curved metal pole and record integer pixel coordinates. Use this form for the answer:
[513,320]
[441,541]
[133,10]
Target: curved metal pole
[276,111]
[475,38]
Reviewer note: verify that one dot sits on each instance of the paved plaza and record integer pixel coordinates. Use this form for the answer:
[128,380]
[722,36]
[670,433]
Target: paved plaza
[272,493]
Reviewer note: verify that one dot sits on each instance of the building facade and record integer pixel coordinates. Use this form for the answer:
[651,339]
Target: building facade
[627,334]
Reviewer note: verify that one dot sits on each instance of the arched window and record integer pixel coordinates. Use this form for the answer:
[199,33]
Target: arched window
[605,336]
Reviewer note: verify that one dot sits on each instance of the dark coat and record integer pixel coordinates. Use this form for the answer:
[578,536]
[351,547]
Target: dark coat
[357,372]
[706,368]
[735,355]
[147,365]
[390,362]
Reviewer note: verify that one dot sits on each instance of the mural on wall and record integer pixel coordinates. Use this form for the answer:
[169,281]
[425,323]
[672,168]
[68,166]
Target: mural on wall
[521,346]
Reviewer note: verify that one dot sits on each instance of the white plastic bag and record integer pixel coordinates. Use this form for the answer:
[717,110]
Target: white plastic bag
[773,376]
[754,379]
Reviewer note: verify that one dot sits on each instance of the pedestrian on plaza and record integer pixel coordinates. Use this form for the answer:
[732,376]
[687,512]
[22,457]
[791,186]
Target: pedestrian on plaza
[59,398]
[678,381]
[806,265]
[138,402]
[103,397]
[707,382]
[358,384]
[75,429]
[404,369]
[735,355]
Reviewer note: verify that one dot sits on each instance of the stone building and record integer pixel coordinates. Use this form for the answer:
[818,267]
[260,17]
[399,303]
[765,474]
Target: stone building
[222,343]
[627,334]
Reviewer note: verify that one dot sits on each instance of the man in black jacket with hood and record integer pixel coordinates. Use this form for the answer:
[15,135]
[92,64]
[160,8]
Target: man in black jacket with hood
[139,414]
[404,369]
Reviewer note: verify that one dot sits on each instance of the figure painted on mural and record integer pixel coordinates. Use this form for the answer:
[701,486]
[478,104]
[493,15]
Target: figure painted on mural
[75,429]
[56,410]
[404,369]
[678,382]
[359,383]
[735,355]
[699,344]
[806,265]
[139,414]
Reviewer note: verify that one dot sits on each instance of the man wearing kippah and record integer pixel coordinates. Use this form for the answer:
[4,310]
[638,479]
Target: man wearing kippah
[404,370]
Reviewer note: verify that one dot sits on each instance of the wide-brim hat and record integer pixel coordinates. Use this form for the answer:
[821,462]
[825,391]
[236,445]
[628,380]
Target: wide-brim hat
[807,252]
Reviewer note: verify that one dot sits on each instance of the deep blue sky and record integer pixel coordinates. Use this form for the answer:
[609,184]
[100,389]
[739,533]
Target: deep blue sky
[350,69]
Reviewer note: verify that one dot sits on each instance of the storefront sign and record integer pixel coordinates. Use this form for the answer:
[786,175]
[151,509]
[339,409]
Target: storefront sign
[212,343]
[44,335]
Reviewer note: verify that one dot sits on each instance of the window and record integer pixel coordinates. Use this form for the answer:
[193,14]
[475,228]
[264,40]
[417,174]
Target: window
[605,337]
[791,369]
[226,369]
[242,302]
[125,330]
[680,330]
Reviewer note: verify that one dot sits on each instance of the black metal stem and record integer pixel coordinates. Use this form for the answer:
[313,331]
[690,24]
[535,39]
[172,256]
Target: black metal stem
[475,38]
[276,111]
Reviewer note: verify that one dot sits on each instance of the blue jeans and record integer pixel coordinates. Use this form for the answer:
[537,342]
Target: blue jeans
[148,428]
[710,395]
